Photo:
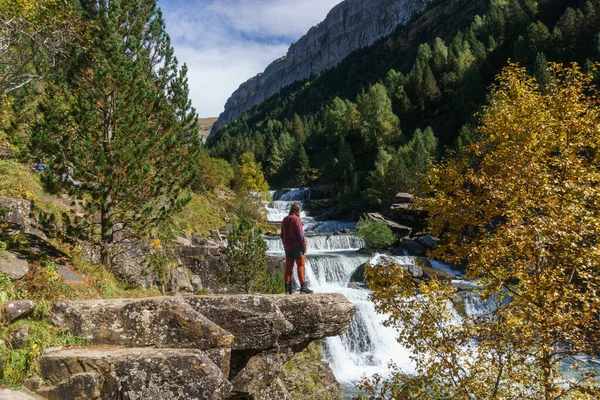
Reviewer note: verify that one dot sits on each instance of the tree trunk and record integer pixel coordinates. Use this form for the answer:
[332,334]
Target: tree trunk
[106,231]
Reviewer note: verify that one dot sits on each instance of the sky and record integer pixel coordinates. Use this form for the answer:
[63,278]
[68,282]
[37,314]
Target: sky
[226,42]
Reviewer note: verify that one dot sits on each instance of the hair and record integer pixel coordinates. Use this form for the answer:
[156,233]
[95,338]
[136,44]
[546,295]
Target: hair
[295,208]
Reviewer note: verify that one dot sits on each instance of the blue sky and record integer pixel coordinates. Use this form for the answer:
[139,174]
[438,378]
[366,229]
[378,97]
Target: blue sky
[226,42]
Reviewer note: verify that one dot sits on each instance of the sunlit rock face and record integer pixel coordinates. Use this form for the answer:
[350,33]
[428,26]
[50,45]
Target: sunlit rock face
[350,25]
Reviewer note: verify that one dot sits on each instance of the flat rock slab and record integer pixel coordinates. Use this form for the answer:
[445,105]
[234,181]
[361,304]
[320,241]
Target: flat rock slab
[266,321]
[254,320]
[70,276]
[136,373]
[13,266]
[167,322]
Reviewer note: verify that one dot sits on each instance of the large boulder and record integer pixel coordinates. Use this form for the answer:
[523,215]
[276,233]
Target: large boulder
[268,330]
[254,320]
[427,241]
[13,266]
[409,264]
[159,321]
[130,262]
[407,214]
[7,394]
[260,371]
[404,198]
[413,247]
[314,317]
[205,258]
[136,373]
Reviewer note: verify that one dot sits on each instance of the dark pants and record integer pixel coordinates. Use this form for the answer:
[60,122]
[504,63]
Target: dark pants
[296,254]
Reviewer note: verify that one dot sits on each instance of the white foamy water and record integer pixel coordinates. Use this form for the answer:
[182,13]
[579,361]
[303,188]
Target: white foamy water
[367,347]
[321,243]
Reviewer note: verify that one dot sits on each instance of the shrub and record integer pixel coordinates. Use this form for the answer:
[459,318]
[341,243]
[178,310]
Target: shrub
[246,257]
[376,233]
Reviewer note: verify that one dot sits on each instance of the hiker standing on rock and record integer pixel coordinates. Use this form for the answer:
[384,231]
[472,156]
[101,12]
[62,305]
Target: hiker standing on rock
[294,243]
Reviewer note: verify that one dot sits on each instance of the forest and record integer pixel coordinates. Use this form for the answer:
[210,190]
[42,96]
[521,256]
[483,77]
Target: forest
[369,125]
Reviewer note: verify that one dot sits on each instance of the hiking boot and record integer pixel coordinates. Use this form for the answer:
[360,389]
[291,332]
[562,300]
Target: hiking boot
[288,288]
[305,289]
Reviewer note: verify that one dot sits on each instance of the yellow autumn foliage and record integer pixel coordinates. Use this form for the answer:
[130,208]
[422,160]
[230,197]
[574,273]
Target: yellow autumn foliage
[521,208]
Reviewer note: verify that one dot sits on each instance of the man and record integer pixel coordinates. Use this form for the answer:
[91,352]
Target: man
[294,243]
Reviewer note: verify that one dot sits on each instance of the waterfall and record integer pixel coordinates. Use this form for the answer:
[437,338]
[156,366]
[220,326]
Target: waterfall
[281,200]
[321,242]
[367,347]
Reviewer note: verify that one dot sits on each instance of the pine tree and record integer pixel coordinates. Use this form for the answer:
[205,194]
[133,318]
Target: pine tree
[246,257]
[125,123]
[302,166]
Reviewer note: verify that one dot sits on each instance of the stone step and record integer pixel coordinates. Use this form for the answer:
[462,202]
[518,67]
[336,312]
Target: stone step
[135,373]
[166,322]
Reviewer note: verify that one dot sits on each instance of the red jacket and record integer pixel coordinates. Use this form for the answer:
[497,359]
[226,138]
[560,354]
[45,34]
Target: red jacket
[292,233]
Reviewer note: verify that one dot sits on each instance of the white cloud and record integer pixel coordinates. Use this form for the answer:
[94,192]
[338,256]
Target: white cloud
[226,42]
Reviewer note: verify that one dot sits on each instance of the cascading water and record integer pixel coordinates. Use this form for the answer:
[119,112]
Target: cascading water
[331,259]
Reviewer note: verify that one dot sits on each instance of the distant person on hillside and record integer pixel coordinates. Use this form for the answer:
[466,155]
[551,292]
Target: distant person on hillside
[40,166]
[68,177]
[294,243]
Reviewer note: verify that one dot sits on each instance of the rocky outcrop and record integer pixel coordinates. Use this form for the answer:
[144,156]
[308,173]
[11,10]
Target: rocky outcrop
[17,213]
[350,25]
[204,347]
[397,228]
[204,258]
[139,373]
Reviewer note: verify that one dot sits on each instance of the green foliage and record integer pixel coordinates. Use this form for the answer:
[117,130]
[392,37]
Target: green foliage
[376,233]
[24,362]
[202,214]
[273,284]
[215,174]
[246,258]
[401,170]
[119,114]
[249,176]
[500,209]
[251,190]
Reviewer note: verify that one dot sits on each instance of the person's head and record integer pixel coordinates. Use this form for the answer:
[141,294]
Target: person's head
[295,209]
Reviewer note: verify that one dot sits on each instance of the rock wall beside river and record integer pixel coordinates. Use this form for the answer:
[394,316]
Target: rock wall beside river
[350,25]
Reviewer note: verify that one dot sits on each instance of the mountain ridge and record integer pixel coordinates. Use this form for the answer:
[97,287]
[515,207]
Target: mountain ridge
[350,25]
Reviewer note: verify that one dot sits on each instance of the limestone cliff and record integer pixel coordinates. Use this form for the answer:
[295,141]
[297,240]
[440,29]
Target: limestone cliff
[350,25]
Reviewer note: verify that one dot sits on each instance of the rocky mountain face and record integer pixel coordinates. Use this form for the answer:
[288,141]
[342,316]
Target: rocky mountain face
[350,25]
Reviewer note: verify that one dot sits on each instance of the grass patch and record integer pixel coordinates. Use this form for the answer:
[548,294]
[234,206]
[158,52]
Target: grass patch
[21,363]
[202,214]
[18,182]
